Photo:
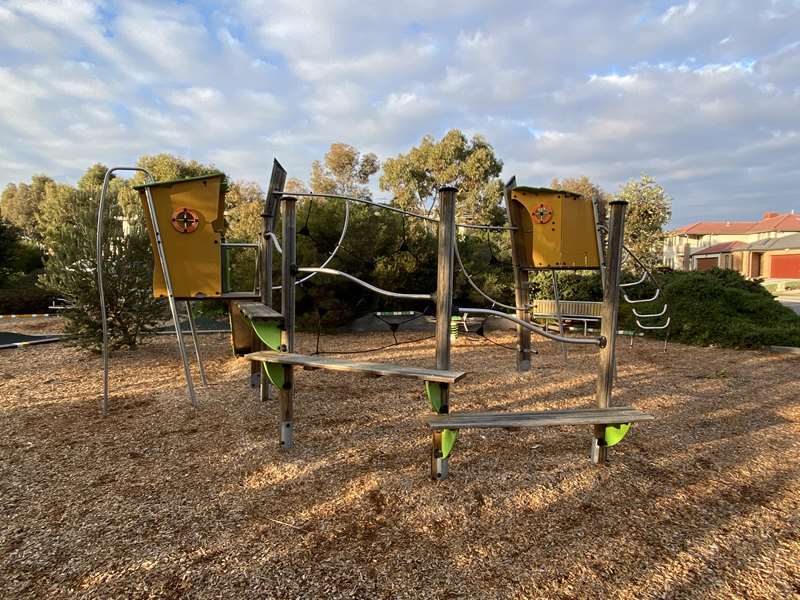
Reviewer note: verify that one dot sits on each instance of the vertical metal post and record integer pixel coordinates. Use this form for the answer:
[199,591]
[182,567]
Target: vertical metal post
[193,331]
[521,278]
[557,301]
[444,309]
[288,274]
[606,361]
[170,295]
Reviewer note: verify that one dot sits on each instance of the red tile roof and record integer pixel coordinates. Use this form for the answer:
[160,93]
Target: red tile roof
[722,247]
[775,222]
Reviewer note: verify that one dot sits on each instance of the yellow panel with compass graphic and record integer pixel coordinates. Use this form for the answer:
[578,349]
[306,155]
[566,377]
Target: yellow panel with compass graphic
[557,229]
[191,221]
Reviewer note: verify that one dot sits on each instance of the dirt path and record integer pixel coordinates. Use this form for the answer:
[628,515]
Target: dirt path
[158,500]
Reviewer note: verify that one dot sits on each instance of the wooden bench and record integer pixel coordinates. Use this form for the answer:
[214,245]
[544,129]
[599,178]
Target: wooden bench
[259,313]
[502,420]
[368,368]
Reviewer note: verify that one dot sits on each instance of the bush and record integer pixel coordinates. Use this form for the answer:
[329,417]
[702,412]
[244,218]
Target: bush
[131,308]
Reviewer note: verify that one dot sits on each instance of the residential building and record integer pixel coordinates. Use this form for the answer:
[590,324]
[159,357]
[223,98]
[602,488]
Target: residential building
[769,248]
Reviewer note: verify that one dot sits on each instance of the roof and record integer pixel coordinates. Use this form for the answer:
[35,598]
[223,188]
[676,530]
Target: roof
[715,227]
[722,247]
[535,190]
[771,222]
[141,186]
[787,242]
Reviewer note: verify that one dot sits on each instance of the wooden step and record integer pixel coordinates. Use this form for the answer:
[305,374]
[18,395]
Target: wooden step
[258,312]
[369,368]
[574,416]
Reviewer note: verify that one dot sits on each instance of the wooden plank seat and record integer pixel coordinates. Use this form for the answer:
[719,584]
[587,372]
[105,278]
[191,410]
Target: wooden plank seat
[369,368]
[502,420]
[259,313]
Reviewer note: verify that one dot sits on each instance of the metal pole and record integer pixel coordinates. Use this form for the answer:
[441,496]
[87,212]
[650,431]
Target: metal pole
[193,331]
[99,257]
[444,309]
[606,361]
[558,311]
[521,278]
[288,274]
[170,295]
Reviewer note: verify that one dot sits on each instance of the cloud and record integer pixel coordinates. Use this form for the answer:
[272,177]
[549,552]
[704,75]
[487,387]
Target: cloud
[704,96]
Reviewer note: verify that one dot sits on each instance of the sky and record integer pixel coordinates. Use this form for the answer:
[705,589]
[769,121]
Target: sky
[704,95]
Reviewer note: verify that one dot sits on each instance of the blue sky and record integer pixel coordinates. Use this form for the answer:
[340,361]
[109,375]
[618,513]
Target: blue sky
[702,95]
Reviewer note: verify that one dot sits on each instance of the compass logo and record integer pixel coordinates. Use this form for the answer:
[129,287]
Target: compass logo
[185,220]
[542,214]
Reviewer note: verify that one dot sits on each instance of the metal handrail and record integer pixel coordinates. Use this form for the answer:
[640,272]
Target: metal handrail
[659,314]
[363,283]
[629,301]
[642,280]
[598,341]
[664,326]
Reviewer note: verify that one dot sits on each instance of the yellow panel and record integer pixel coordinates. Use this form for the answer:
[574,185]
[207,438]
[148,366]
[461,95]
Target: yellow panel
[557,228]
[194,259]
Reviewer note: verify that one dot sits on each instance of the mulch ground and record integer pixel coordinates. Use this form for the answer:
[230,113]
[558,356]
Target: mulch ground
[160,500]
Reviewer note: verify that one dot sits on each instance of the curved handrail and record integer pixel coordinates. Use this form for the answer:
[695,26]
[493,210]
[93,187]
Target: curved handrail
[363,283]
[629,301]
[664,326]
[598,341]
[658,314]
[642,280]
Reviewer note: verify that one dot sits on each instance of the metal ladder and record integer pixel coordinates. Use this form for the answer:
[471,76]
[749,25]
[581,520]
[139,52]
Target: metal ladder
[647,275]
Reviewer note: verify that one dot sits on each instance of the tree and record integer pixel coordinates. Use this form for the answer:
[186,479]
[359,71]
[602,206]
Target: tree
[344,171]
[165,167]
[649,209]
[21,204]
[127,269]
[470,165]
[93,177]
[9,245]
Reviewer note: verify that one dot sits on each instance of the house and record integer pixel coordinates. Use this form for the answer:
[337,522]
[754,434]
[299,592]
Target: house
[769,248]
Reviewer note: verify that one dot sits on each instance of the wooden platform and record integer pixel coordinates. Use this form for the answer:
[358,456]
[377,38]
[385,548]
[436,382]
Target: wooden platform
[369,368]
[258,312]
[575,416]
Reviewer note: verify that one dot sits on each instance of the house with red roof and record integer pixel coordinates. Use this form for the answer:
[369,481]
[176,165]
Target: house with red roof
[768,249]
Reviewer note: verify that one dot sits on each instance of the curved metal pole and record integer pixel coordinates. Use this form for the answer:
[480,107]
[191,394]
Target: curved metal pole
[338,244]
[99,258]
[658,314]
[369,286]
[598,341]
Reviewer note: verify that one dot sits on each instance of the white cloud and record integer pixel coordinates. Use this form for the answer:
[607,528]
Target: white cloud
[705,96]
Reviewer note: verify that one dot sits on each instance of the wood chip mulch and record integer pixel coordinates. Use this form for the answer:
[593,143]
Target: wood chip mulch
[159,500]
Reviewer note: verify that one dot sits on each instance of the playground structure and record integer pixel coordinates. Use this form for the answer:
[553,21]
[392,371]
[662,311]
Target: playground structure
[549,229]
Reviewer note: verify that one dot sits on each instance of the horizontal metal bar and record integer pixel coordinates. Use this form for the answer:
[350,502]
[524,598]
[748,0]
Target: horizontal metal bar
[281,194]
[383,206]
[598,341]
[629,301]
[658,314]
[664,326]
[363,283]
[238,245]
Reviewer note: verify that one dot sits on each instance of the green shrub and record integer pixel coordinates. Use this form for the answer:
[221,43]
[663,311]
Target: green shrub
[21,295]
